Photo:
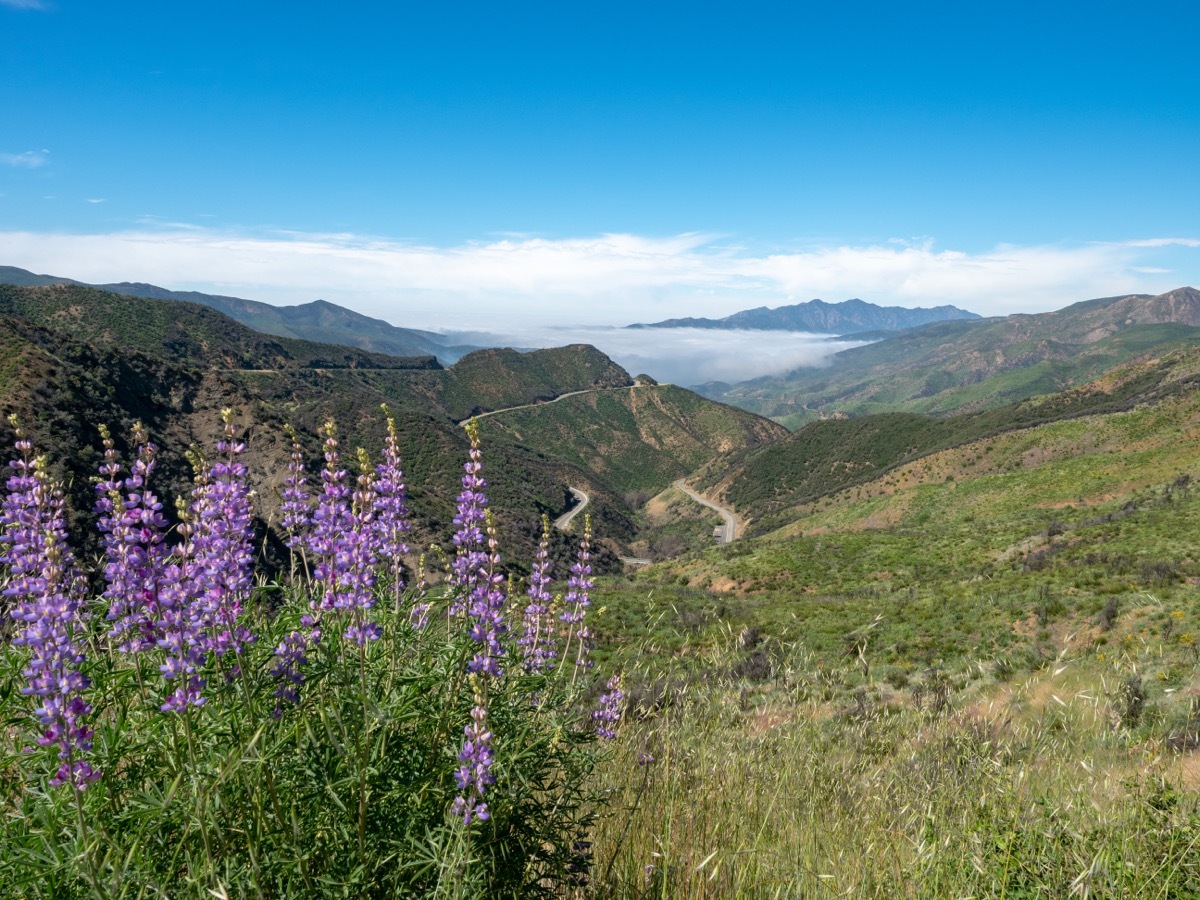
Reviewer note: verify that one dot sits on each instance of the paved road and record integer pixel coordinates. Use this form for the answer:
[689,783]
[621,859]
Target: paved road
[564,521]
[484,415]
[728,532]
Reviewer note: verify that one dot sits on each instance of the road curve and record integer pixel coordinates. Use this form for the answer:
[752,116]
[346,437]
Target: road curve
[564,521]
[484,415]
[728,533]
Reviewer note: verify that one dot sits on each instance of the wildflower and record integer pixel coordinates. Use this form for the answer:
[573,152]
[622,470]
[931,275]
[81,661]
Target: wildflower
[133,526]
[295,506]
[608,713]
[474,776]
[391,510]
[357,566]
[290,657]
[475,570]
[470,560]
[181,625]
[475,575]
[221,557]
[331,522]
[537,642]
[577,600]
[49,593]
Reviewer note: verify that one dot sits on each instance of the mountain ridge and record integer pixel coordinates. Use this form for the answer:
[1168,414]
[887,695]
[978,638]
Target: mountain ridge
[951,366]
[318,320]
[844,318]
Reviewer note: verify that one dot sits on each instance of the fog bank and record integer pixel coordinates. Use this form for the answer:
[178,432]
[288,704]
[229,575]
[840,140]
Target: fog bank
[685,356]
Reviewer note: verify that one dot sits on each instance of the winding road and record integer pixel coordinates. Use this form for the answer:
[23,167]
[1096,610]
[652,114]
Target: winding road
[564,521]
[484,415]
[728,532]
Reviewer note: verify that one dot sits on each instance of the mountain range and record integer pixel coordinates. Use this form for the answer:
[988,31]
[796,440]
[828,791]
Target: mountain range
[319,320]
[850,317]
[951,366]
[74,356]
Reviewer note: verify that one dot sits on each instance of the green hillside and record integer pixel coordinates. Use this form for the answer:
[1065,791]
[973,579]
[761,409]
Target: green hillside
[957,366]
[824,457]
[78,356]
[187,333]
[639,439]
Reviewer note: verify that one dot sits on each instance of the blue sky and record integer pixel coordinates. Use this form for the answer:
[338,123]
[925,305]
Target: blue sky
[457,163]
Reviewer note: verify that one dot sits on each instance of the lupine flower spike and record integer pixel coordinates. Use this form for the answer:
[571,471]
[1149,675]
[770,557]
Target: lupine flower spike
[133,526]
[477,580]
[474,776]
[577,600]
[358,548]
[391,511]
[608,712]
[331,521]
[48,592]
[222,555]
[470,559]
[537,641]
[295,506]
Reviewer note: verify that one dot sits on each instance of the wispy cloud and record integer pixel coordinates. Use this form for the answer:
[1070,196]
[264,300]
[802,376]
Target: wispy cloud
[610,279]
[25,4]
[97,199]
[30,159]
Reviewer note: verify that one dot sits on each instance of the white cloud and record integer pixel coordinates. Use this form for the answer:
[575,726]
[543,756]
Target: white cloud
[30,159]
[97,200]
[686,356]
[25,4]
[609,279]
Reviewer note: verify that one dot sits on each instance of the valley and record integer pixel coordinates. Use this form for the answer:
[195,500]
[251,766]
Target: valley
[927,598]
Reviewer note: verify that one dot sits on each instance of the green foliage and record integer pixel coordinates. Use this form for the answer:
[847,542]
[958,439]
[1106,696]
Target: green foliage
[959,366]
[640,439]
[233,799]
[833,455]
[186,333]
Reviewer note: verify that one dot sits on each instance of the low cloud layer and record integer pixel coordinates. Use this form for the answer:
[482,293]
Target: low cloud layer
[610,279]
[687,356]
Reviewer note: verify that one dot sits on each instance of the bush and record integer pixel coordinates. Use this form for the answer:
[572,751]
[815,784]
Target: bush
[333,735]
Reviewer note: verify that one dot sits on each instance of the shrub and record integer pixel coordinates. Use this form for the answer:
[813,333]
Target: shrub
[339,734]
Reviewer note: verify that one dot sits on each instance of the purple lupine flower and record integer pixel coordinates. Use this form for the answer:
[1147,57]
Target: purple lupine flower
[476,578]
[474,776]
[391,511]
[475,571]
[290,657]
[577,600]
[537,641]
[608,712]
[485,610]
[331,522]
[49,594]
[295,507]
[181,623]
[133,526]
[342,541]
[222,555]
[358,568]
[470,560]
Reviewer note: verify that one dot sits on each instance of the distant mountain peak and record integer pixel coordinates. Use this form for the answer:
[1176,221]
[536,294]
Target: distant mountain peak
[852,316]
